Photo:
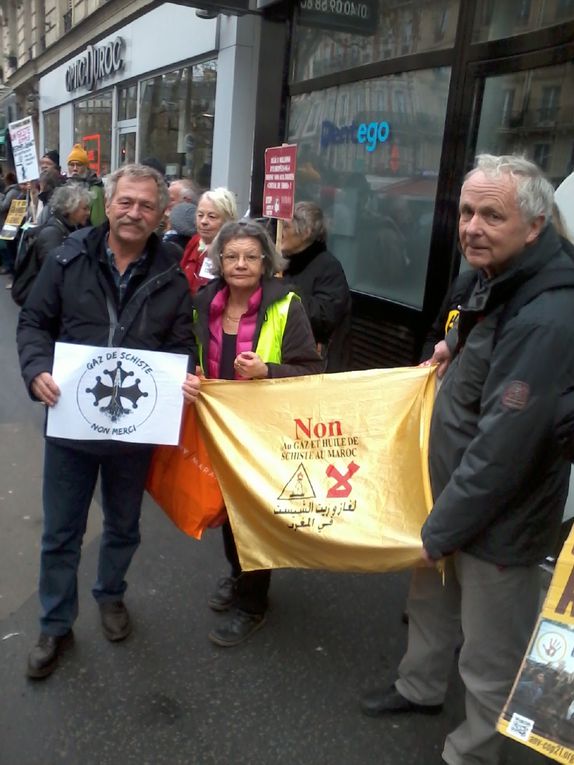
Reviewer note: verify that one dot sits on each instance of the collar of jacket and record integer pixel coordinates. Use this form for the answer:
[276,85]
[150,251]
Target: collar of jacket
[62,223]
[272,290]
[488,294]
[96,242]
[299,262]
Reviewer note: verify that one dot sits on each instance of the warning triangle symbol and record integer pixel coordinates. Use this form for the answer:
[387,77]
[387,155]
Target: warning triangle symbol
[298,486]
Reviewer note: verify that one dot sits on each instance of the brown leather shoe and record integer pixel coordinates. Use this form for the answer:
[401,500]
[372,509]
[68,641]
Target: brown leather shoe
[43,658]
[116,622]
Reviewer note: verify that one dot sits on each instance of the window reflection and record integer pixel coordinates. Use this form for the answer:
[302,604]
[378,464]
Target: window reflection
[52,130]
[531,112]
[369,155]
[505,18]
[333,35]
[127,102]
[92,120]
[177,109]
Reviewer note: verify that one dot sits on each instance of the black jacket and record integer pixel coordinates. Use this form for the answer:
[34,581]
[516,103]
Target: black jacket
[74,300]
[51,235]
[498,478]
[318,278]
[298,353]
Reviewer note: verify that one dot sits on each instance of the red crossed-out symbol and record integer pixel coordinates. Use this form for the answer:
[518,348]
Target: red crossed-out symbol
[342,488]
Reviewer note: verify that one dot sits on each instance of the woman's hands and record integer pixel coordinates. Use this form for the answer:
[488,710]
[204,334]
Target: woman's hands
[250,366]
[190,388]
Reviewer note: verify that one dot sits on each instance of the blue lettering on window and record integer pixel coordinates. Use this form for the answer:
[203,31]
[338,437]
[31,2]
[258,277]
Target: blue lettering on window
[370,134]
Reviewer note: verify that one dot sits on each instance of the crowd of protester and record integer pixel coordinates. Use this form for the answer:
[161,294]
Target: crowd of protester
[211,293]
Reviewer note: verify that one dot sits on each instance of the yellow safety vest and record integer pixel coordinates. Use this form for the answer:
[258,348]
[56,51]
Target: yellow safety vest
[271,335]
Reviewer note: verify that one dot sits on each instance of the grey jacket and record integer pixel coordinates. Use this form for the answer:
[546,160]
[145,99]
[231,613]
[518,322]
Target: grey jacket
[498,479]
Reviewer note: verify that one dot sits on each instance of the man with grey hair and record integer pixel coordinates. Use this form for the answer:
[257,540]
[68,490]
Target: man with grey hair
[499,482]
[109,286]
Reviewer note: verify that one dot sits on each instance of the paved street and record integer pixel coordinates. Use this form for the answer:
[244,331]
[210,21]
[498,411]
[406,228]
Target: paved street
[167,696]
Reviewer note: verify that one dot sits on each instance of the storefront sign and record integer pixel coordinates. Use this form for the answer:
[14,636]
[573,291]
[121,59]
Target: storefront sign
[371,134]
[24,149]
[355,16]
[95,64]
[279,187]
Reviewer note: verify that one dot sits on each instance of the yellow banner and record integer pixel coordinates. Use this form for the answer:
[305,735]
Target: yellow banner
[16,215]
[540,709]
[329,471]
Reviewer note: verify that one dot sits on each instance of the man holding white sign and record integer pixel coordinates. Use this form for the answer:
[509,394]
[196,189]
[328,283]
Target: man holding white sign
[111,287]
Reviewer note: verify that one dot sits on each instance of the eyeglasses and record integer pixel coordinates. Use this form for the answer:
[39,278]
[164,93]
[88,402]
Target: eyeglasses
[233,258]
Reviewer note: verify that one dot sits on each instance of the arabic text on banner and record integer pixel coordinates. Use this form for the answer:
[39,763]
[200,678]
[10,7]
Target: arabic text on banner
[117,393]
[540,709]
[328,471]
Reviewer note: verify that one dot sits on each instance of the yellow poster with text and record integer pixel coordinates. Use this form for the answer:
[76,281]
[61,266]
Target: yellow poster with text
[328,471]
[540,709]
[16,215]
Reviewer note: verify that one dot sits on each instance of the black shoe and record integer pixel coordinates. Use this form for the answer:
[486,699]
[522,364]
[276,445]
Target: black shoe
[224,595]
[43,658]
[237,628]
[116,623]
[390,702]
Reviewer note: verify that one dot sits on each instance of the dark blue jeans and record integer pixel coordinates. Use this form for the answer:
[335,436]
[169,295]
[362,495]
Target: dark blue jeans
[70,479]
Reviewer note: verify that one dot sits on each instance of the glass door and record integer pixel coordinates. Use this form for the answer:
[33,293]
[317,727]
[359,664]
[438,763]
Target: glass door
[126,146]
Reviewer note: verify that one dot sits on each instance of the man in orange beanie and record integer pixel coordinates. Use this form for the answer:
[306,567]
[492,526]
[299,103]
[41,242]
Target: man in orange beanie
[79,171]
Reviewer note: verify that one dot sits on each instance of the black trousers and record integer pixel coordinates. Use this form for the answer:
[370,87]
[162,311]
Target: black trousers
[252,586]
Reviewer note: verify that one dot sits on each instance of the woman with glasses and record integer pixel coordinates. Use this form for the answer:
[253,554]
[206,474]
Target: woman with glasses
[248,326]
[214,208]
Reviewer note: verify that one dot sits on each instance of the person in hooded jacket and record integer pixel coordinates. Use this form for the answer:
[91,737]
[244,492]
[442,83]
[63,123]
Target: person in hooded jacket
[318,278]
[79,171]
[70,210]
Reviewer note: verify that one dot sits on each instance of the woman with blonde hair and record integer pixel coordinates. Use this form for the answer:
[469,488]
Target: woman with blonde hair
[214,208]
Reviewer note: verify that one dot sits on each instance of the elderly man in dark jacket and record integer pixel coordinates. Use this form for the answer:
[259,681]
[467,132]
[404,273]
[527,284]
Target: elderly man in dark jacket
[106,286]
[499,481]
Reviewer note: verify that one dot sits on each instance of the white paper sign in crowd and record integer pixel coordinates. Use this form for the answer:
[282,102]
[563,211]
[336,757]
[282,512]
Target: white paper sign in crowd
[117,393]
[24,149]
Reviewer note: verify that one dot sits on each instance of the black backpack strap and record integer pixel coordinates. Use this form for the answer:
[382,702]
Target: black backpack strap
[558,278]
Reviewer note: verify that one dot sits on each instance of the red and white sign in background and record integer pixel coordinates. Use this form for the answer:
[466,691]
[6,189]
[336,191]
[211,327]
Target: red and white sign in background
[279,186]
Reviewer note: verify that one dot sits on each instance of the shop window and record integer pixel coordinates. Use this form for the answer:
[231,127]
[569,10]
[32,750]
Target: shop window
[541,124]
[542,155]
[93,129]
[564,9]
[176,118]
[374,173]
[333,35]
[127,102]
[549,105]
[51,131]
[494,21]
[507,104]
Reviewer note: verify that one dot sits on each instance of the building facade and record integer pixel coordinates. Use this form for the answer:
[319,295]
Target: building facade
[388,102]
[165,83]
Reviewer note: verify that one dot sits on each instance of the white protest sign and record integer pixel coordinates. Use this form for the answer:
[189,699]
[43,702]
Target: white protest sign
[117,393]
[24,150]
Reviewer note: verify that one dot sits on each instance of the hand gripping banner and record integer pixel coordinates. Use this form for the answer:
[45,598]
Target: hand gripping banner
[328,471]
